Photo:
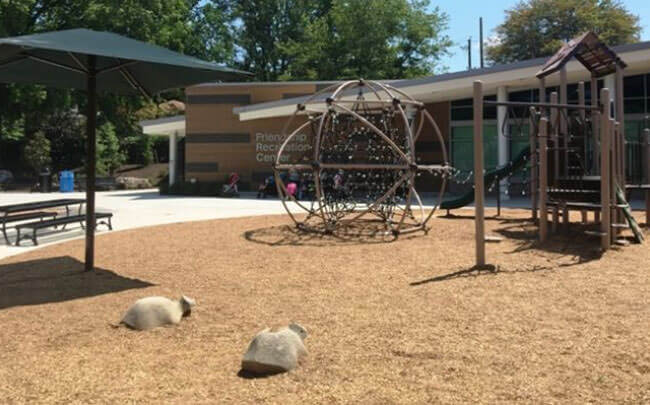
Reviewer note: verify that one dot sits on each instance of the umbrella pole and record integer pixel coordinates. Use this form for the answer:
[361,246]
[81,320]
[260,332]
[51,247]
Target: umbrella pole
[90,162]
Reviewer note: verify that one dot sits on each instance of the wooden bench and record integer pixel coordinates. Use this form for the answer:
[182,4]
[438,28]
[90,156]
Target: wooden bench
[101,218]
[23,217]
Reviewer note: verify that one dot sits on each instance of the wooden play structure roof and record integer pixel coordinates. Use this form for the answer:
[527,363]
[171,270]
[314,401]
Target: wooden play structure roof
[589,50]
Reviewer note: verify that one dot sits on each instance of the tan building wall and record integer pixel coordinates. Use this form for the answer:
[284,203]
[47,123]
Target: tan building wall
[217,143]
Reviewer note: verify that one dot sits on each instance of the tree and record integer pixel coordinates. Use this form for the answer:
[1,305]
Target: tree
[374,39]
[37,152]
[108,155]
[335,39]
[259,27]
[537,28]
[190,26]
[66,132]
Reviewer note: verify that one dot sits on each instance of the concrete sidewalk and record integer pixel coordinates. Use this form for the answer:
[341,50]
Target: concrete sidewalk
[139,208]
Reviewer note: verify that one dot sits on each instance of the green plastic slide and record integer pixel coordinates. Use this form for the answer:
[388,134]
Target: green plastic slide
[490,177]
[636,230]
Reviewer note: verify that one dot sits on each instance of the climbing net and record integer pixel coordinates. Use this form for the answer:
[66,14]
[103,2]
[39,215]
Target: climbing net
[359,174]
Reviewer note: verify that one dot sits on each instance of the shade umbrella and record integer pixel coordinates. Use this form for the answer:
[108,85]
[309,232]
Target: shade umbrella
[100,62]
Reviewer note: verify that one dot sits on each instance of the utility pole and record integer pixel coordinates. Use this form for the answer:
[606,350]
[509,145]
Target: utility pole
[469,53]
[480,23]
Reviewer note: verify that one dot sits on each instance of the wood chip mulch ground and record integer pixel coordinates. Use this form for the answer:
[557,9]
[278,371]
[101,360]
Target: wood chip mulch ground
[405,321]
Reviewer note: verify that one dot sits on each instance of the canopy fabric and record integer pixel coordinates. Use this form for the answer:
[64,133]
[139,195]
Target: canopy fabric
[123,65]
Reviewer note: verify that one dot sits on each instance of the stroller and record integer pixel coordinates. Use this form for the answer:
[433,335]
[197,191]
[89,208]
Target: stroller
[230,188]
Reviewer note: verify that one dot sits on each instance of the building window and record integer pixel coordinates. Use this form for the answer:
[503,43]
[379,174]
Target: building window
[635,91]
[634,86]
[463,110]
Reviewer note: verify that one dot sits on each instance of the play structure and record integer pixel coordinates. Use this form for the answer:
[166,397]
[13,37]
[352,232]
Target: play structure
[362,164]
[577,151]
[490,179]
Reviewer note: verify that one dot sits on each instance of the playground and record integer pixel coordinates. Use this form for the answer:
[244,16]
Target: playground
[555,323]
[403,303]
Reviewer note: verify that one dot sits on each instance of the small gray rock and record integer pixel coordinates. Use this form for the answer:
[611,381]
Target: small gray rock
[151,312]
[275,351]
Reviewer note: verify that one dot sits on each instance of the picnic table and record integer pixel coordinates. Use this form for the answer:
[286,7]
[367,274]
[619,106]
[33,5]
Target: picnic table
[34,210]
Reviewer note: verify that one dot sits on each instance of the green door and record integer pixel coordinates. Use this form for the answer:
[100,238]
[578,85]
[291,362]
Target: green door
[462,148]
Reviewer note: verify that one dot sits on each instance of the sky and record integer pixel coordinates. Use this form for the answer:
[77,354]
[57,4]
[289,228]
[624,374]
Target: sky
[464,22]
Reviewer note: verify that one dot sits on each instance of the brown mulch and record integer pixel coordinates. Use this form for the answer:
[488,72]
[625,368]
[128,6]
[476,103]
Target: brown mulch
[405,321]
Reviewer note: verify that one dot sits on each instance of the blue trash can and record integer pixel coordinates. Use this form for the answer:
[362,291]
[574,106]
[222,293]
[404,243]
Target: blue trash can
[66,181]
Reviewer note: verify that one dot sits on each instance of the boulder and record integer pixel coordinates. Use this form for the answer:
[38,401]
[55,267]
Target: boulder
[151,312]
[132,183]
[275,351]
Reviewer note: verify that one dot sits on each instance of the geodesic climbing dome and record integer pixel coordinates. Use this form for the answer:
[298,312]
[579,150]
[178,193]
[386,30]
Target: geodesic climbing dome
[359,173]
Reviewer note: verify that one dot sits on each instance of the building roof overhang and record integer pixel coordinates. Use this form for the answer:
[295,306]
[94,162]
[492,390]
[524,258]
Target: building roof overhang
[166,126]
[458,85]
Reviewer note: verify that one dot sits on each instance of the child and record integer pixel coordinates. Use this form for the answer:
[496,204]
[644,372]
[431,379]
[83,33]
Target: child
[292,188]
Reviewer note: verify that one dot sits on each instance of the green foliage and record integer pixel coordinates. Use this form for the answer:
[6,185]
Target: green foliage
[66,131]
[160,148]
[336,39]
[537,28]
[275,39]
[376,39]
[140,150]
[109,156]
[260,26]
[189,26]
[37,152]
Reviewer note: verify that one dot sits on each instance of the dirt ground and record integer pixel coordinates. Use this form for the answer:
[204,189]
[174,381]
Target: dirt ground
[406,321]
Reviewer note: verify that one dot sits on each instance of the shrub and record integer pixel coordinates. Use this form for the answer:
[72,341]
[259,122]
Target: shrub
[108,153]
[37,152]
[140,149]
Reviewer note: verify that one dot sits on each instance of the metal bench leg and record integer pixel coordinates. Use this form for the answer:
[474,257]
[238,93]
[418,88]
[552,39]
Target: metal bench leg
[4,232]
[17,236]
[53,215]
[106,222]
[80,223]
[34,237]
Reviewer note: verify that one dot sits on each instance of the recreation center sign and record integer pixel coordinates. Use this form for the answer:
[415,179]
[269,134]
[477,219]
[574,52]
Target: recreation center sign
[267,145]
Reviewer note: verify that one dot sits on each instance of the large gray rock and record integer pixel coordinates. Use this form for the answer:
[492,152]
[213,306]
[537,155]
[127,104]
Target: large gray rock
[152,312]
[275,351]
[132,183]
